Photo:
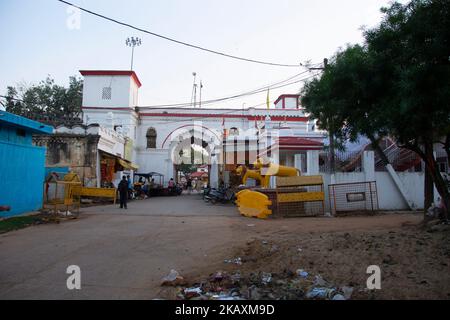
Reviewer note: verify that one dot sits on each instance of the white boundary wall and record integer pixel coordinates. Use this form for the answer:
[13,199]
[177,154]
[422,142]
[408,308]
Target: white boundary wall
[389,196]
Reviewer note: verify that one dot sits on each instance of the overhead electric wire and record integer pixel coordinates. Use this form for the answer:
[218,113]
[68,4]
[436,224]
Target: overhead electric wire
[178,41]
[223,113]
[269,86]
[252,92]
[273,86]
[189,104]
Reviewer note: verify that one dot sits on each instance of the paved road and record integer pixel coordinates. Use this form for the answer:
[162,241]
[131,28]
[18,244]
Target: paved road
[123,254]
[185,205]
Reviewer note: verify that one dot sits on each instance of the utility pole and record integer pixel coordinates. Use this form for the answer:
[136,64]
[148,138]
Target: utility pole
[325,65]
[331,128]
[331,133]
[133,42]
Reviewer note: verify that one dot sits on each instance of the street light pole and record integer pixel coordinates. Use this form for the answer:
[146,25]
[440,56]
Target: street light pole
[132,57]
[133,42]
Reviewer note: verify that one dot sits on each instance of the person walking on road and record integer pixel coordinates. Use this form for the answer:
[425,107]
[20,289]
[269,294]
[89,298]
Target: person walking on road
[130,188]
[189,185]
[123,192]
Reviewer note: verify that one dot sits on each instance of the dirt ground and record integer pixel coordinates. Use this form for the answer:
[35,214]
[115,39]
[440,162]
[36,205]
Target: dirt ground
[414,261]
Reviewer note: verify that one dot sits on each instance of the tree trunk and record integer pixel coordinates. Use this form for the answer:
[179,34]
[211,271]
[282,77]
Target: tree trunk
[332,155]
[429,185]
[447,149]
[433,169]
[378,150]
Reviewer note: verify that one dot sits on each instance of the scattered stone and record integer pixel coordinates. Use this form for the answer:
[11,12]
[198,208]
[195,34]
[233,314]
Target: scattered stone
[319,281]
[236,277]
[173,279]
[280,282]
[254,293]
[271,296]
[237,261]
[440,228]
[266,278]
[388,260]
[302,273]
[347,291]
[274,248]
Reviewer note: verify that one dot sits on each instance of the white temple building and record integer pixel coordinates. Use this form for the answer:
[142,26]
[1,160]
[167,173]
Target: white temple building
[157,139]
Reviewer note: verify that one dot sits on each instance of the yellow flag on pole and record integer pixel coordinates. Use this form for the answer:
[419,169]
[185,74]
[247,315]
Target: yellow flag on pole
[268,100]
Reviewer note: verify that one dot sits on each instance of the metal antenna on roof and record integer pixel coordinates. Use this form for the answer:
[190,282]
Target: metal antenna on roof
[194,89]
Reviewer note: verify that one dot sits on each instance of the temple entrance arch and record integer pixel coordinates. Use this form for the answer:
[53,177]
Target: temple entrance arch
[194,152]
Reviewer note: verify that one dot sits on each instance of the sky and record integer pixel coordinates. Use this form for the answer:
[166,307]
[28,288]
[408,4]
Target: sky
[39,40]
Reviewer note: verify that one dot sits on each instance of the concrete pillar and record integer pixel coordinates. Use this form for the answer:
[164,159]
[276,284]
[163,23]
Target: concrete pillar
[214,174]
[368,165]
[298,162]
[98,170]
[289,160]
[312,162]
[170,171]
[275,160]
[226,178]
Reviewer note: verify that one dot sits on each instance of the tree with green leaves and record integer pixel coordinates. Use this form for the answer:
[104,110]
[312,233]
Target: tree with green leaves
[346,98]
[397,84]
[414,42]
[46,100]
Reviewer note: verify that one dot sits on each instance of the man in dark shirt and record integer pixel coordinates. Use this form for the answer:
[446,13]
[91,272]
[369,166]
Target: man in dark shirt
[130,187]
[123,192]
[189,185]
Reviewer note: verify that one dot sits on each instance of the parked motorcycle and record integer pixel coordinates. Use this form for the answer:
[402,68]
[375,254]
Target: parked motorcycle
[206,192]
[221,195]
[176,191]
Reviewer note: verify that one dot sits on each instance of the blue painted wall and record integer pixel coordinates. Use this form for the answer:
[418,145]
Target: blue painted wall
[22,165]
[14,134]
[21,177]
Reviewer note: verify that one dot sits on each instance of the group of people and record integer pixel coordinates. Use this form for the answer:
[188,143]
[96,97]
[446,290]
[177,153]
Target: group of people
[142,187]
[145,186]
[126,189]
[193,185]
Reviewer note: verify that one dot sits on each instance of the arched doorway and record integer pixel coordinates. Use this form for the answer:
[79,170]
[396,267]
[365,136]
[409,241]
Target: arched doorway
[193,152]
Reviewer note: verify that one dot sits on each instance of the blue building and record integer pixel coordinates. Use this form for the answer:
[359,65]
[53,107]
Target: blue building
[22,165]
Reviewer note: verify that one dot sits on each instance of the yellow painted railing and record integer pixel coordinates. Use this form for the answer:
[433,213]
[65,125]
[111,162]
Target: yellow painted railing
[99,193]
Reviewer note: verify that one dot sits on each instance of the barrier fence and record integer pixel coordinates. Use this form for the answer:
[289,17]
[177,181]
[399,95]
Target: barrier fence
[346,198]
